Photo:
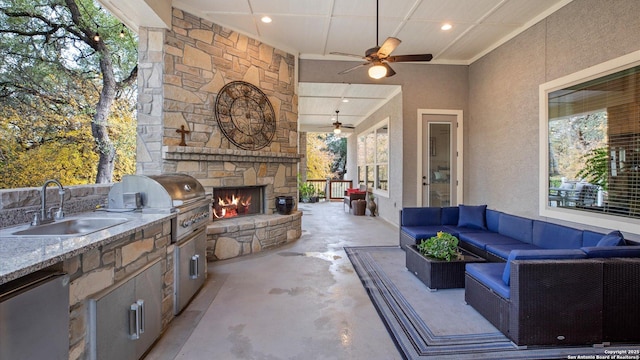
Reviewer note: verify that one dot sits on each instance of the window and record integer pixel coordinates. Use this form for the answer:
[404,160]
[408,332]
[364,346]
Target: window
[590,125]
[373,157]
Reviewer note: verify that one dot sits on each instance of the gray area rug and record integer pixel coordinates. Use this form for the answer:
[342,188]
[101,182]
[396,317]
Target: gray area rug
[438,324]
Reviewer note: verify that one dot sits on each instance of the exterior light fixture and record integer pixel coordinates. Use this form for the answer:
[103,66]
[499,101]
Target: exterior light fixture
[96,37]
[122,32]
[377,71]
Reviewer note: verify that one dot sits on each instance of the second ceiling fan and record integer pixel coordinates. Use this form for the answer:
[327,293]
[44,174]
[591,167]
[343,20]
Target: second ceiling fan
[379,57]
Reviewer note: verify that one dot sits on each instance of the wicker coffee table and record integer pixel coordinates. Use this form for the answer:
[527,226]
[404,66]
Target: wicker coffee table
[439,274]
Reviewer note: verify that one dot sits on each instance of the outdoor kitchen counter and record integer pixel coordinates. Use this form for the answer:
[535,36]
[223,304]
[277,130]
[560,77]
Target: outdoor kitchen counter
[22,255]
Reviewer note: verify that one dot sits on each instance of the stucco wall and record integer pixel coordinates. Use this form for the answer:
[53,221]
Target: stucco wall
[424,86]
[502,127]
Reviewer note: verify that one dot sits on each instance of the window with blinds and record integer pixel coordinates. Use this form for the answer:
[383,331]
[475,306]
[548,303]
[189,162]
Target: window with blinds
[594,145]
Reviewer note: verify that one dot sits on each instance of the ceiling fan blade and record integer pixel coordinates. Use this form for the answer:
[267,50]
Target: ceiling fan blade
[390,71]
[345,54]
[352,68]
[387,47]
[409,58]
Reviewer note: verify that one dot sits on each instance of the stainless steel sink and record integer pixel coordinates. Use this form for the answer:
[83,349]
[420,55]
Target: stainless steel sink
[79,226]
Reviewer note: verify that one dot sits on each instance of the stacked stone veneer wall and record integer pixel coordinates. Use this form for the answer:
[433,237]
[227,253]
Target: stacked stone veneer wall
[100,268]
[17,205]
[247,235]
[181,71]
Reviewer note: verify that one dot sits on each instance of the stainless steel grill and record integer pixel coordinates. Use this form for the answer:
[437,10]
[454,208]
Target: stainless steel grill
[170,193]
[165,193]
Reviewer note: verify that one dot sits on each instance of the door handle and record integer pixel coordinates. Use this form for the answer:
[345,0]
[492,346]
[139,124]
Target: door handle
[194,270]
[134,321]
[142,316]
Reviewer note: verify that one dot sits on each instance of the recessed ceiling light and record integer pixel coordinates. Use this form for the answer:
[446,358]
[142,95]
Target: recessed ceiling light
[446,27]
[345,100]
[265,19]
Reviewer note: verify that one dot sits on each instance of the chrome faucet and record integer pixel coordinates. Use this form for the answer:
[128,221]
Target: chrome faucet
[45,216]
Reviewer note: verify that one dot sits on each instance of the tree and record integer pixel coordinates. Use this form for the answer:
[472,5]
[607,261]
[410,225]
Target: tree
[338,147]
[319,160]
[64,60]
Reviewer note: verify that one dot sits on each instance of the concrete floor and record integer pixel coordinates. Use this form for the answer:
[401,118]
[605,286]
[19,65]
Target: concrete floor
[299,301]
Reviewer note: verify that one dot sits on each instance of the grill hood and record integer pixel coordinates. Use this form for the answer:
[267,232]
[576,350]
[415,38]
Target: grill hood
[157,193]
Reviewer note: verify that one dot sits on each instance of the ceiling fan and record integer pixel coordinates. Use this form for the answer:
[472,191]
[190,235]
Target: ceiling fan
[380,56]
[337,126]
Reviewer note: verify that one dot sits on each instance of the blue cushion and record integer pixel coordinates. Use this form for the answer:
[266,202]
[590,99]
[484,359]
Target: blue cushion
[422,232]
[472,217]
[553,236]
[516,227]
[591,238]
[493,219]
[482,239]
[450,215]
[420,216]
[489,274]
[627,251]
[613,238]
[503,250]
[451,229]
[543,254]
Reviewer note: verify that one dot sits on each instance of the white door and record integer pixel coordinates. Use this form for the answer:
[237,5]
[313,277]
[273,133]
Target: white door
[439,172]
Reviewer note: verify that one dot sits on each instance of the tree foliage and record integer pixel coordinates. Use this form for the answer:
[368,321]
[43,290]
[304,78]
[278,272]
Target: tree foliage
[67,100]
[326,156]
[319,160]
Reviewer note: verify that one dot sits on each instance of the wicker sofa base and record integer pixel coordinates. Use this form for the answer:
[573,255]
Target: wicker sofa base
[621,299]
[492,306]
[554,302]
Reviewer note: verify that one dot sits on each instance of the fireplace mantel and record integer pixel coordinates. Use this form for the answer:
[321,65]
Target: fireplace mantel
[211,154]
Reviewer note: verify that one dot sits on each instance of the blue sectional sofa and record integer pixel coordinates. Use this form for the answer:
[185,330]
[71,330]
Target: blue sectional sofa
[545,284]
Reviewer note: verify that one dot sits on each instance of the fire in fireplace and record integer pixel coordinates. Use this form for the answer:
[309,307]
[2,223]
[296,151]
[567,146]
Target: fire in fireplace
[237,201]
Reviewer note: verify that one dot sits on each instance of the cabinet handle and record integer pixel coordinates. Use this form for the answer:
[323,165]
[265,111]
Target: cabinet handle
[141,315]
[134,321]
[194,272]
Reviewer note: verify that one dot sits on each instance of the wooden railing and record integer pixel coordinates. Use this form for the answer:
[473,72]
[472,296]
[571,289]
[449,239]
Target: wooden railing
[335,189]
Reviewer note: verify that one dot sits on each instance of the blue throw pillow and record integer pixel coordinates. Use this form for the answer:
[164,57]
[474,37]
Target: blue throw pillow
[613,238]
[472,217]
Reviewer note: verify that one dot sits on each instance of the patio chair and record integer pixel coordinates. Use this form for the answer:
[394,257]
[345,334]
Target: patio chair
[354,194]
[587,196]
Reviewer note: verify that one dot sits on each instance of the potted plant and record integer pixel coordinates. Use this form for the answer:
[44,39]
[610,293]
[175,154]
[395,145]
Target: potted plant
[305,189]
[438,262]
[443,246]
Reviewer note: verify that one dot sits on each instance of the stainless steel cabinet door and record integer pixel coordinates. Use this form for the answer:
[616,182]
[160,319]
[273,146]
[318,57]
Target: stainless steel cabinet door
[190,269]
[125,320]
[34,320]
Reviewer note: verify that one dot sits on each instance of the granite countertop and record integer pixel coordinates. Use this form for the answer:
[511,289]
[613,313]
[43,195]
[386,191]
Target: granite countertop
[21,255]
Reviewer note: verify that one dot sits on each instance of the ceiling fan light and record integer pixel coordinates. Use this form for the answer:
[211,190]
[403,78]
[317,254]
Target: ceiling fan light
[377,71]
[337,131]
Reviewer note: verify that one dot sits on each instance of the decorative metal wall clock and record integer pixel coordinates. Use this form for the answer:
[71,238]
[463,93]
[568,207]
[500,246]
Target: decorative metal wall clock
[245,115]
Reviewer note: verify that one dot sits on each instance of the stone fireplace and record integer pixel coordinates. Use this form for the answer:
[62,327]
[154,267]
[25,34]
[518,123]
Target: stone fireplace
[181,72]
